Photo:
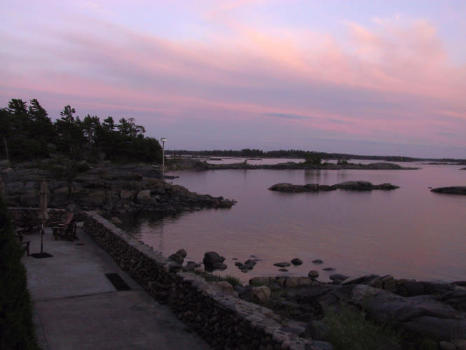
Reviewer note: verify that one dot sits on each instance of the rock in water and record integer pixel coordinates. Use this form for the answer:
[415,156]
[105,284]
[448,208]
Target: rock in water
[296,262]
[364,186]
[450,190]
[313,274]
[182,253]
[178,257]
[282,264]
[348,186]
[317,261]
[213,261]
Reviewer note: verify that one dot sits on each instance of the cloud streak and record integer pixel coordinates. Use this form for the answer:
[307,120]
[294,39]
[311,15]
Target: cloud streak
[392,81]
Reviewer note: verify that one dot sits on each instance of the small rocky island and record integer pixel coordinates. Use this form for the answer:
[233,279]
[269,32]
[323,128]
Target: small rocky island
[450,190]
[347,186]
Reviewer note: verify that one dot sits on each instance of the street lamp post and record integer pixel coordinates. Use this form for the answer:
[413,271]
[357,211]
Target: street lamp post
[163,139]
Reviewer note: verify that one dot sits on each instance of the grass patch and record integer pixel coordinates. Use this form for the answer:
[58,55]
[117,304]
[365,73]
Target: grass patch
[348,329]
[209,277]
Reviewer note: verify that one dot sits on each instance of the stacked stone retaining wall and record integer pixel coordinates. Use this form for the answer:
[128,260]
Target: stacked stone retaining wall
[224,321]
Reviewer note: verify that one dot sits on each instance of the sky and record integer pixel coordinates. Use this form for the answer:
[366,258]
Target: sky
[360,76]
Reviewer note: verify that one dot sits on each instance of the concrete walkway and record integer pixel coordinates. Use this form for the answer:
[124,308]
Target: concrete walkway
[77,307]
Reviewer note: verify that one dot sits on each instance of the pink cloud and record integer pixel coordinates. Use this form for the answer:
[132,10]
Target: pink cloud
[253,72]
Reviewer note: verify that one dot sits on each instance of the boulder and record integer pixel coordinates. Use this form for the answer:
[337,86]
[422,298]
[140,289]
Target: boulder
[313,274]
[178,257]
[317,261]
[261,294]
[338,278]
[225,287]
[293,282]
[296,262]
[213,261]
[282,264]
[423,315]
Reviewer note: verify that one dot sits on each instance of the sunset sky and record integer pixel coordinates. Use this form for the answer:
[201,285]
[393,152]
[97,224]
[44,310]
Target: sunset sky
[369,77]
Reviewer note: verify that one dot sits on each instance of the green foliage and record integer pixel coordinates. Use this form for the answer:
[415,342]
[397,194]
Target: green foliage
[256,283]
[232,280]
[313,158]
[30,134]
[16,327]
[348,329]
[209,277]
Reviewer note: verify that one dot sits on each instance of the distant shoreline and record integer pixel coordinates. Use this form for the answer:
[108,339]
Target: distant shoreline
[247,153]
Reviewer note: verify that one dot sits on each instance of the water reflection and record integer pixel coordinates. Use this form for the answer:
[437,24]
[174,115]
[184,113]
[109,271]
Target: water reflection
[409,232]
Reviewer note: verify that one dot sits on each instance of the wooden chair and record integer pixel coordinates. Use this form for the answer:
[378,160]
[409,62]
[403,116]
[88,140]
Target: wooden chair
[66,229]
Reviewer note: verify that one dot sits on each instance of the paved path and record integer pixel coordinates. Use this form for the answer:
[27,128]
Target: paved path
[77,307]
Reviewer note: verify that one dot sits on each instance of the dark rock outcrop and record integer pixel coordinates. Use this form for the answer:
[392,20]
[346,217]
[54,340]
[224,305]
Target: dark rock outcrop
[422,310]
[178,257]
[347,186]
[450,190]
[423,315]
[213,261]
[115,189]
[282,264]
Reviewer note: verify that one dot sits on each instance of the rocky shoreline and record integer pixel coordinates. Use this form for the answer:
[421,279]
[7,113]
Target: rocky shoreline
[114,189]
[347,186]
[420,312]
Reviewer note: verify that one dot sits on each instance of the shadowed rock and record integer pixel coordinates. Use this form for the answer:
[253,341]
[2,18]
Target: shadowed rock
[213,261]
[347,186]
[450,190]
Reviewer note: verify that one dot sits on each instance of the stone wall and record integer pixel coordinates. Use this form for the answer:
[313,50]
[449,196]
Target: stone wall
[224,321]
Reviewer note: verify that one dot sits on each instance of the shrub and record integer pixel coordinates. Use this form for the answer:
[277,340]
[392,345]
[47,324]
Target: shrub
[16,327]
[348,329]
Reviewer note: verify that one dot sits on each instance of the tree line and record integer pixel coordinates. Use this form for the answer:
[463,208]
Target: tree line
[290,153]
[28,133]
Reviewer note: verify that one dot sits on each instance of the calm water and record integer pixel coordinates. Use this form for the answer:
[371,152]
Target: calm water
[409,232]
